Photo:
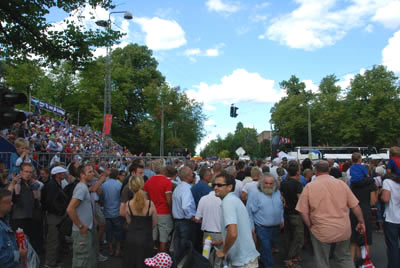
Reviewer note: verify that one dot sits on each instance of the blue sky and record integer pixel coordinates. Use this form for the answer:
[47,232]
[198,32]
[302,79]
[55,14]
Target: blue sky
[223,51]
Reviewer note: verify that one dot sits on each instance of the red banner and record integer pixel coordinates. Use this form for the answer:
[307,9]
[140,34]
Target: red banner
[107,124]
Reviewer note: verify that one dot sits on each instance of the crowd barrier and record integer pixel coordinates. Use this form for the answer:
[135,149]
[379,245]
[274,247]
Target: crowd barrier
[48,159]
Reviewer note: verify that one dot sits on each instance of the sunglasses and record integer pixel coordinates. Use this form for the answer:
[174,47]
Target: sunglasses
[219,185]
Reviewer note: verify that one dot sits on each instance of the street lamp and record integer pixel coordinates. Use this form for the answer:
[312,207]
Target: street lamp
[107,79]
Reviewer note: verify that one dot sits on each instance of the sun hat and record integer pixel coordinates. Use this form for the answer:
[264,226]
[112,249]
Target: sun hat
[161,260]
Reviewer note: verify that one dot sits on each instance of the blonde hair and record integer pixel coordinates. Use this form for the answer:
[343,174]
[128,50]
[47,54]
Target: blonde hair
[136,185]
[21,142]
[255,172]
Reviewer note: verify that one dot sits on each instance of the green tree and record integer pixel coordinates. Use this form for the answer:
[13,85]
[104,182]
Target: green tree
[24,30]
[371,107]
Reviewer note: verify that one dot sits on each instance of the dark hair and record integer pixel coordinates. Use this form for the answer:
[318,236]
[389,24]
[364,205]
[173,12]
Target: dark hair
[74,171]
[229,179]
[259,162]
[247,172]
[203,171]
[170,171]
[45,169]
[134,166]
[265,169]
[355,157]
[113,173]
[306,164]
[293,168]
[240,165]
[23,165]
[4,193]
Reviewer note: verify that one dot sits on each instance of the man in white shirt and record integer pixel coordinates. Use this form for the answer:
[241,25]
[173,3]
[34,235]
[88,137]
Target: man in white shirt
[209,214]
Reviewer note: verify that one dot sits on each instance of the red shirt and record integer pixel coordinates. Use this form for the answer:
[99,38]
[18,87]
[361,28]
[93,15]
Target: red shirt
[156,187]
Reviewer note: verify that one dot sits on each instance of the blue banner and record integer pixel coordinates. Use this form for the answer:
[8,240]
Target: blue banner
[46,106]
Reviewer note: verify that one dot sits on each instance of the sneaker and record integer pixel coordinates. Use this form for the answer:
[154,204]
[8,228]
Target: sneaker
[101,258]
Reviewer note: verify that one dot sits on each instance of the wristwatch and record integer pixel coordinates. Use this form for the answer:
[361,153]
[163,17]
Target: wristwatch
[80,227]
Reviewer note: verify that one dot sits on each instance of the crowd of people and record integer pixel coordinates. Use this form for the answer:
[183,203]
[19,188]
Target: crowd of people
[248,209]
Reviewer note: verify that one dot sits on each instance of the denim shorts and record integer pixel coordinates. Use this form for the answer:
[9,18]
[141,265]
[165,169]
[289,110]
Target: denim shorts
[115,229]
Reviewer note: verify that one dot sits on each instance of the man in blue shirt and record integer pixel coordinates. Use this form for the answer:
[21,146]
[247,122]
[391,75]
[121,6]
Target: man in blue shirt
[202,188]
[10,255]
[183,211]
[239,248]
[110,192]
[265,209]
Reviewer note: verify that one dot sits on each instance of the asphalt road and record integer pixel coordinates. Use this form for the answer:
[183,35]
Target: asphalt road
[378,256]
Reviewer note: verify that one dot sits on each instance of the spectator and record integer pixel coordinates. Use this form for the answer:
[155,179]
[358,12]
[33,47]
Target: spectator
[10,255]
[54,201]
[266,216]
[256,175]
[291,189]
[324,206]
[391,226]
[183,211]
[238,244]
[20,156]
[84,235]
[110,193]
[141,216]
[159,191]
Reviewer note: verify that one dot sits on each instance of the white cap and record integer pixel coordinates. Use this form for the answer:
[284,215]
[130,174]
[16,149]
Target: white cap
[57,170]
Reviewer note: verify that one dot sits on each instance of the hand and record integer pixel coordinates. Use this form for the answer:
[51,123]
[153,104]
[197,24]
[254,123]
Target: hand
[23,252]
[84,230]
[282,224]
[36,194]
[220,253]
[217,243]
[360,227]
[16,178]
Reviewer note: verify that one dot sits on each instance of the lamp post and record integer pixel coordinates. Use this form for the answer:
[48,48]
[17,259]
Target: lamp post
[309,126]
[107,77]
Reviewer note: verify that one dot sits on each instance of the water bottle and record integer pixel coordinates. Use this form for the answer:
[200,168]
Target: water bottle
[20,238]
[207,247]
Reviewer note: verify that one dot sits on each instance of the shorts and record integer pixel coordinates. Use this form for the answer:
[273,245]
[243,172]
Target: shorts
[163,228]
[99,215]
[251,264]
[84,249]
[114,229]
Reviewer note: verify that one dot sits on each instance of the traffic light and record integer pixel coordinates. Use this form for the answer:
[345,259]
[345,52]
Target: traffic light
[234,111]
[8,115]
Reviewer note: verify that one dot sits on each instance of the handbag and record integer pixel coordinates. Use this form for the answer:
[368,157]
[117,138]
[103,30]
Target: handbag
[65,226]
[366,260]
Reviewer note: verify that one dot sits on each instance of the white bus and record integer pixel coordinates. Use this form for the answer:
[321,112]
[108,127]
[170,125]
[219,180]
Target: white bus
[340,153]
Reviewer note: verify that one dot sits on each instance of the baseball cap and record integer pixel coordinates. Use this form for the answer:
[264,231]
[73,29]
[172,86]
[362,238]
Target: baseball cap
[161,260]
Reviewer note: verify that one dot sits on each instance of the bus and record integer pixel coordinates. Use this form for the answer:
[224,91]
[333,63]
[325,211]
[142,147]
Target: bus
[340,153]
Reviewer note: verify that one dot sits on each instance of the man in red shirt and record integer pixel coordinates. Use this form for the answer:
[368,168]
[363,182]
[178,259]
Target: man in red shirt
[159,190]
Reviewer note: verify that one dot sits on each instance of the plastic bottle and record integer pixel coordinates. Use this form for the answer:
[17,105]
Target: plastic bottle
[20,238]
[207,247]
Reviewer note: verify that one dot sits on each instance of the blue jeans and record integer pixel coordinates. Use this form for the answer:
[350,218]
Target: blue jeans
[266,236]
[392,235]
[184,231]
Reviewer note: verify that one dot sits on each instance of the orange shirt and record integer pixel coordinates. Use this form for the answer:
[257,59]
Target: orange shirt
[327,200]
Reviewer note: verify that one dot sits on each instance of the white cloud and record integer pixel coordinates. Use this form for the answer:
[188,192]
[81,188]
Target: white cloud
[212,52]
[316,24]
[258,18]
[388,15]
[221,6]
[192,52]
[209,123]
[344,83]
[162,34]
[311,86]
[391,53]
[240,86]
[197,52]
[262,5]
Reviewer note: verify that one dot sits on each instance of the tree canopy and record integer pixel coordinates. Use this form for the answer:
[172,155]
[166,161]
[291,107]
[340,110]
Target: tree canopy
[363,114]
[24,31]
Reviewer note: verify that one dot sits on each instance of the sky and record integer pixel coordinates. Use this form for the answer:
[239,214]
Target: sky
[226,51]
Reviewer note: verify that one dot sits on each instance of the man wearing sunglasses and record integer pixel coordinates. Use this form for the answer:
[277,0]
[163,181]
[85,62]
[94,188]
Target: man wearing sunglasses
[239,248]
